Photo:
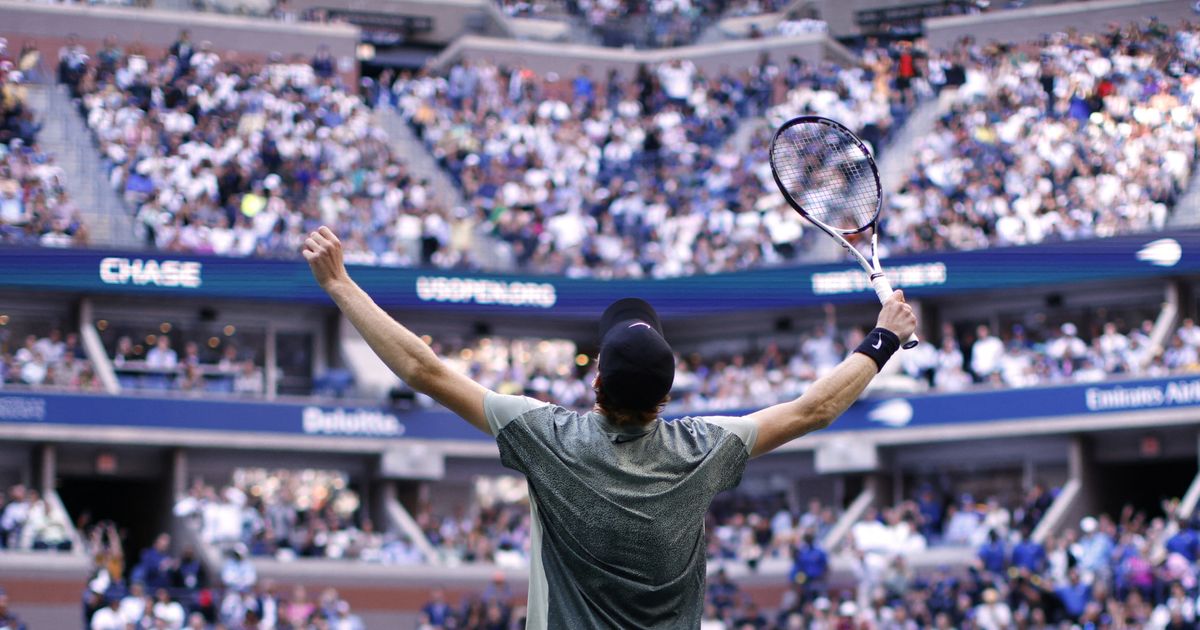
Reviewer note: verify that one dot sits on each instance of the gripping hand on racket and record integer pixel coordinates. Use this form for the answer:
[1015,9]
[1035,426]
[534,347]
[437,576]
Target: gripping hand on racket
[403,352]
[897,316]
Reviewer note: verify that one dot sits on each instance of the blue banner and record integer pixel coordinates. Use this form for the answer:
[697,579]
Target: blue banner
[287,418]
[180,275]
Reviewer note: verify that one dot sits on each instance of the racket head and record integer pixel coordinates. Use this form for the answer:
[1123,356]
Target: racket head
[826,173]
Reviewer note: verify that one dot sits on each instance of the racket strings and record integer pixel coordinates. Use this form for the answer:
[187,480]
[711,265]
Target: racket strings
[825,171]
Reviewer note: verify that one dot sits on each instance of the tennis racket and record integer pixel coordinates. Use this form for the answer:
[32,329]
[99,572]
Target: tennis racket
[827,175]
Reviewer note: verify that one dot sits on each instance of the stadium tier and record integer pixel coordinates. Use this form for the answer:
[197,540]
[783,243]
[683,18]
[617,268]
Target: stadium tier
[193,435]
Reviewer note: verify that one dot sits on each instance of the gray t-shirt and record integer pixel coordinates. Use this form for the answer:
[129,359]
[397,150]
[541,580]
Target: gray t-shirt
[618,515]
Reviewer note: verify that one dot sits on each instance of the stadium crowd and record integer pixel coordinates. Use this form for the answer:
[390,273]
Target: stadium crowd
[779,368]
[30,522]
[773,368]
[286,514]
[35,208]
[613,176]
[53,360]
[1130,572]
[169,589]
[235,158]
[209,367]
[244,159]
[1077,137]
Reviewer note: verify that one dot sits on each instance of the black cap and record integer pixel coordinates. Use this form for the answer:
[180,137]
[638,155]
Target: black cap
[637,366]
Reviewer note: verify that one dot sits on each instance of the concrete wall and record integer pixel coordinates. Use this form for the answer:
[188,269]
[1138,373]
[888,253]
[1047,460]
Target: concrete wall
[1032,23]
[48,25]
[839,14]
[451,18]
[566,59]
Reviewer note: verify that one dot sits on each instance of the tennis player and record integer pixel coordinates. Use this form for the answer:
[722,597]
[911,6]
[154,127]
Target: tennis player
[618,496]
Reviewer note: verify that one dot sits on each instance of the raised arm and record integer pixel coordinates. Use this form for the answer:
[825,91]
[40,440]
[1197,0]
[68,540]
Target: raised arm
[830,396]
[402,351]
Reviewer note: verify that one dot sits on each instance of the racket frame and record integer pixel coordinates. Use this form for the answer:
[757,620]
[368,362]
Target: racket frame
[879,282]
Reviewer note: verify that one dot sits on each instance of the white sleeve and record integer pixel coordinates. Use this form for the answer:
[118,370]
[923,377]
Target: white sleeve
[502,409]
[745,428]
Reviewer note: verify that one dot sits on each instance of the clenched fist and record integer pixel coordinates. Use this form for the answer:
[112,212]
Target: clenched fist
[323,251]
[897,316]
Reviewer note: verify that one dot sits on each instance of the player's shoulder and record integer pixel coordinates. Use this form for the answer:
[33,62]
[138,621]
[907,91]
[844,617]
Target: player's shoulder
[717,427]
[502,409]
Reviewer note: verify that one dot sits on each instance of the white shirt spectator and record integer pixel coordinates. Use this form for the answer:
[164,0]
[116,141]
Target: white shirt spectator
[170,612]
[1067,346]
[986,353]
[162,357]
[51,347]
[133,607]
[676,78]
[239,574]
[107,618]
[993,616]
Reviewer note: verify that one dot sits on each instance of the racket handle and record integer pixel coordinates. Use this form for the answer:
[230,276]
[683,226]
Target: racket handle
[884,290]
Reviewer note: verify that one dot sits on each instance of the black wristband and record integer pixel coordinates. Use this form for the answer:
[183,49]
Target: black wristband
[880,344]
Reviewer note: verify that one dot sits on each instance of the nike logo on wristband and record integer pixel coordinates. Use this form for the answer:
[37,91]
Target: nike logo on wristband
[878,342]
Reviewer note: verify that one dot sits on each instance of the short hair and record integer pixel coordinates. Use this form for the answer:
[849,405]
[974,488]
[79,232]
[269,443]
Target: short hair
[625,417]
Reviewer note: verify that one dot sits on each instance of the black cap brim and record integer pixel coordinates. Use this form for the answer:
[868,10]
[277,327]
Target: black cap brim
[627,309]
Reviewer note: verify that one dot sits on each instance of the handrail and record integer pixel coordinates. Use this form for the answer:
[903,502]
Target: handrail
[837,534]
[1056,516]
[406,524]
[55,502]
[94,348]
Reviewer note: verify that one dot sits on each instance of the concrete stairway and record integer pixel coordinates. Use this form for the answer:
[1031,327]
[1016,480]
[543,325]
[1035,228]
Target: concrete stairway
[491,253]
[898,159]
[421,164]
[1187,210]
[65,136]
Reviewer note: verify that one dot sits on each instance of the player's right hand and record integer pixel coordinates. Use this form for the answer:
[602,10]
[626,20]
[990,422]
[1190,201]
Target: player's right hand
[897,316]
[323,251]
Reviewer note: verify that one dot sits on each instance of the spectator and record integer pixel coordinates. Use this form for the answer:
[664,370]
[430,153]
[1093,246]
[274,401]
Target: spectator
[47,526]
[345,619]
[1027,554]
[993,614]
[810,566]
[1074,595]
[133,606]
[436,614]
[162,356]
[188,573]
[238,573]
[155,566]
[167,612]
[985,354]
[1185,541]
[723,593]
[8,619]
[249,380]
[14,516]
[992,555]
[109,617]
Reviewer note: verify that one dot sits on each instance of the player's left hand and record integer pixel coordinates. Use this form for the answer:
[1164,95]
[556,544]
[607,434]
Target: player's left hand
[323,251]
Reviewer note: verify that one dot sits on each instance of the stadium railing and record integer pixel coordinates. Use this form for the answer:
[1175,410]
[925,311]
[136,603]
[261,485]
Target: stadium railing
[543,57]
[1033,23]
[46,24]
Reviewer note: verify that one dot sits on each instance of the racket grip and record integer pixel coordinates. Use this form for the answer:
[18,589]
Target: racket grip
[884,290]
